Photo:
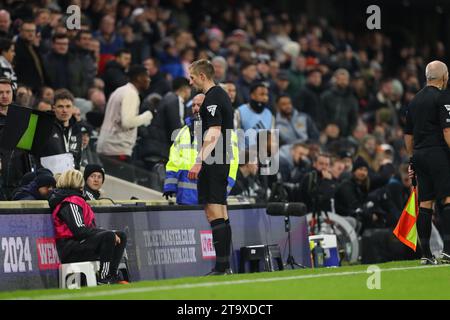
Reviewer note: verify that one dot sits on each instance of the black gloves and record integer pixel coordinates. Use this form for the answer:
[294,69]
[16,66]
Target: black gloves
[168,194]
[411,172]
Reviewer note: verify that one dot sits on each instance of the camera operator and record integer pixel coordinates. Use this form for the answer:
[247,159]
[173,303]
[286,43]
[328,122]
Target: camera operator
[247,181]
[317,187]
[294,162]
[352,198]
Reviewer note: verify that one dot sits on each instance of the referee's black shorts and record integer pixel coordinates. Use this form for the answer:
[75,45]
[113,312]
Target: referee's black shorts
[212,184]
[432,167]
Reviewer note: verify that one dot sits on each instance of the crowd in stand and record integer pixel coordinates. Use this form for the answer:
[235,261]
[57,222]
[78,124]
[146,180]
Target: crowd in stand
[337,98]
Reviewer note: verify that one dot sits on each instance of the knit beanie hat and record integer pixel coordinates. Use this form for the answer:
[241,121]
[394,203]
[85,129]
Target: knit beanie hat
[359,163]
[45,180]
[42,171]
[91,168]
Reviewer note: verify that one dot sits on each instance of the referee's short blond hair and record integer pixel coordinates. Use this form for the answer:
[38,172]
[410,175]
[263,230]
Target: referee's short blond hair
[70,179]
[203,66]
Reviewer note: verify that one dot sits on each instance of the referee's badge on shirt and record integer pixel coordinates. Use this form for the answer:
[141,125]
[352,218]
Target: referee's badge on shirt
[212,109]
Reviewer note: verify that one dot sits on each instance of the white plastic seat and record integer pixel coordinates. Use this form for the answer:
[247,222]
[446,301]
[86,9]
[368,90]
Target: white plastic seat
[69,274]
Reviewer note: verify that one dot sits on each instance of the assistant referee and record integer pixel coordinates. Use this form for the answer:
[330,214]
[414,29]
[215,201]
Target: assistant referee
[427,140]
[213,162]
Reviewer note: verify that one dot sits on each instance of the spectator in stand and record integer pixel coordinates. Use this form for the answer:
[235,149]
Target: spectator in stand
[361,91]
[119,129]
[94,178]
[94,104]
[24,96]
[110,41]
[5,24]
[170,116]
[88,154]
[115,74]
[337,169]
[220,69]
[42,20]
[28,61]
[368,151]
[308,99]
[339,103]
[255,115]
[297,76]
[7,53]
[39,189]
[159,83]
[170,60]
[64,69]
[281,86]
[76,113]
[66,131]
[47,93]
[230,88]
[247,77]
[383,100]
[44,105]
[82,50]
[263,69]
[293,126]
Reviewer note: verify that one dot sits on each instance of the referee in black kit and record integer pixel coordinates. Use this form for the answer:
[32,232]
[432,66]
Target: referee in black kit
[427,140]
[217,117]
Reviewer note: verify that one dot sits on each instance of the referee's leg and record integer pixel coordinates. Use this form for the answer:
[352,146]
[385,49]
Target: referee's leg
[424,226]
[221,230]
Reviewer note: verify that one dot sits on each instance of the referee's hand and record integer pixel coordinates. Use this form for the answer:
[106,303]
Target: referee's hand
[193,173]
[411,172]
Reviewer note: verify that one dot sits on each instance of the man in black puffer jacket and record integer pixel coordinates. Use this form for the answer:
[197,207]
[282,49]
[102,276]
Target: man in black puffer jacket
[38,189]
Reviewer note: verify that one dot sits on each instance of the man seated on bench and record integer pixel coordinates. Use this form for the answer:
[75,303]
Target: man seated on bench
[77,236]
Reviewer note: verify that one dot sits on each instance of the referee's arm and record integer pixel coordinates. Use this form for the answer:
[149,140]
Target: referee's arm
[409,143]
[408,134]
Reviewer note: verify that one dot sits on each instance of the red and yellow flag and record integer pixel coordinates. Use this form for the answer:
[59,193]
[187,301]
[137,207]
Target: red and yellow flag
[406,230]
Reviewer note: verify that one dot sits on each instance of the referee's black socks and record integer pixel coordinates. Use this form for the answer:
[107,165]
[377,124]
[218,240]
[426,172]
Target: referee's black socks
[221,233]
[424,230]
[445,218]
[228,228]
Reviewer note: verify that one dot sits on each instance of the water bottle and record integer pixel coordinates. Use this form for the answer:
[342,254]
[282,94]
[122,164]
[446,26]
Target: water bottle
[319,256]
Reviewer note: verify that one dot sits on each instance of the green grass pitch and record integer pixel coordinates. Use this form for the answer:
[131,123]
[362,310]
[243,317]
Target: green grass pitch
[397,280]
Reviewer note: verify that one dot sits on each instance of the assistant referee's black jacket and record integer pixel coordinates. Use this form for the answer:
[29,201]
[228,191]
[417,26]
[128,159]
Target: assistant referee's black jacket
[57,145]
[73,216]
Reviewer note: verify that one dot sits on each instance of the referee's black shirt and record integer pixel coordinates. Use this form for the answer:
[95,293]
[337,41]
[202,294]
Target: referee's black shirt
[427,115]
[217,110]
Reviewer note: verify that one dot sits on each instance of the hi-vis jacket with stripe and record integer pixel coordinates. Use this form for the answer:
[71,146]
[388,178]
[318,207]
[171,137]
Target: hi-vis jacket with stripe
[183,153]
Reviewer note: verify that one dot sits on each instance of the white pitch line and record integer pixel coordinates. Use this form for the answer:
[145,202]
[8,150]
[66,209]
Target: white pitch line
[209,284]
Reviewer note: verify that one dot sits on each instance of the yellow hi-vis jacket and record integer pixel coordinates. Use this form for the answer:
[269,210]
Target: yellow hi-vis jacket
[181,159]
